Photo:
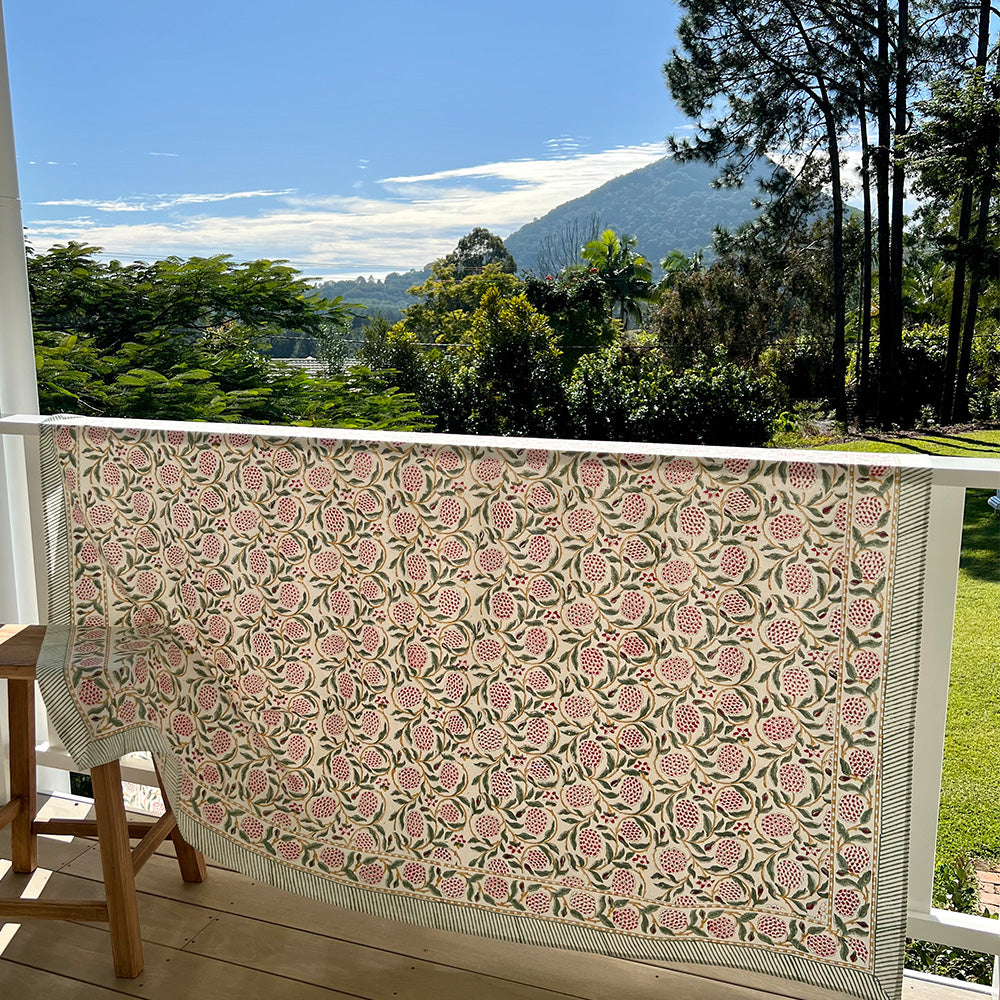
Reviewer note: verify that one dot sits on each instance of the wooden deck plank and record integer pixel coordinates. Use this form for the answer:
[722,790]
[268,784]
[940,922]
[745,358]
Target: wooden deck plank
[39,985]
[53,853]
[164,921]
[768,986]
[356,969]
[175,914]
[169,974]
[594,977]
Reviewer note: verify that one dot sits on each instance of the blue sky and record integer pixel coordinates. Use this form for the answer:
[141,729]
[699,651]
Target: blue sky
[350,138]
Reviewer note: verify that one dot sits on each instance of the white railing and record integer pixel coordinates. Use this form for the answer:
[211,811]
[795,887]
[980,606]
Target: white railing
[20,519]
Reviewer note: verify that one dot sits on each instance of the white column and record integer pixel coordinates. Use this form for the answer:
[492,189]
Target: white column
[20,547]
[944,548]
[18,391]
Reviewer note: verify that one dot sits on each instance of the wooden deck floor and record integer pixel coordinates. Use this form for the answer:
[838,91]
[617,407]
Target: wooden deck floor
[233,938]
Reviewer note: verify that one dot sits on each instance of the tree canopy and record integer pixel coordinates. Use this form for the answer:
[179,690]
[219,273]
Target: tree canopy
[627,275]
[478,250]
[188,340]
[492,353]
[808,77]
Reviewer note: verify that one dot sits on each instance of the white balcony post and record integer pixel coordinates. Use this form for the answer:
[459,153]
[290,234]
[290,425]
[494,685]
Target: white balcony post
[944,547]
[20,600]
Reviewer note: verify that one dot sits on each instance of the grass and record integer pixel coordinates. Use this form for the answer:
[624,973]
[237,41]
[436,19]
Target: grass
[969,818]
[967,444]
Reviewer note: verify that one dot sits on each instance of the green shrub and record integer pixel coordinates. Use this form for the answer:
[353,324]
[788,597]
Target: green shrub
[804,366]
[626,393]
[984,376]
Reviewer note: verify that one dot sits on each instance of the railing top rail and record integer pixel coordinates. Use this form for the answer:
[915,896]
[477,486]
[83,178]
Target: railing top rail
[975,471]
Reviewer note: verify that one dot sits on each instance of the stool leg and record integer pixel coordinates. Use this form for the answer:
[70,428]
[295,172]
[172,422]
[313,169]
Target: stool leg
[119,873]
[21,714]
[190,861]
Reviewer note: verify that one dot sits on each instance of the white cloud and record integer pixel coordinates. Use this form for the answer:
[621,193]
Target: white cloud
[415,218]
[164,154]
[158,202]
[566,145]
[603,166]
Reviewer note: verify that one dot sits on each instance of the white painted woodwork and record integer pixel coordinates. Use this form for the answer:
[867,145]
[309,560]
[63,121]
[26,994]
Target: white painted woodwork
[978,472]
[944,544]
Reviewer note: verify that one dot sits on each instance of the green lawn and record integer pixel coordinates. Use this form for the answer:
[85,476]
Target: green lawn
[970,795]
[985,444]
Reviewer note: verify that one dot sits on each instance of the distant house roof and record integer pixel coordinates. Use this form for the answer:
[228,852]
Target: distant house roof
[310,364]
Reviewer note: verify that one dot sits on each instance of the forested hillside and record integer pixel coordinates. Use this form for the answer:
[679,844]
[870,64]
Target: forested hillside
[667,206]
[386,296]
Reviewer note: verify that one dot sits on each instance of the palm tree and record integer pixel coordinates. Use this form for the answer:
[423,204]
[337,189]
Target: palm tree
[627,276]
[676,264]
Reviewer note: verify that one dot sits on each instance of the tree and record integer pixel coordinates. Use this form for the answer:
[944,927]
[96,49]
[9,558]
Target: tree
[776,66]
[478,250]
[513,371]
[154,341]
[956,148]
[765,299]
[561,249]
[112,302]
[424,369]
[704,311]
[574,302]
[627,276]
[476,354]
[805,75]
[221,377]
[446,301]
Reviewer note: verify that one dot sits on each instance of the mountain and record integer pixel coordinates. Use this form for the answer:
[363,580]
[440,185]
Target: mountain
[667,205]
[386,296]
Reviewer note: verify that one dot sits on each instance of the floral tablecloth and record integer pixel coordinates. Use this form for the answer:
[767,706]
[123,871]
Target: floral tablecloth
[643,705]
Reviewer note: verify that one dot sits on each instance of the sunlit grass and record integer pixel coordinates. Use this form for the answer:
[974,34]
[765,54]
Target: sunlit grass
[968,444]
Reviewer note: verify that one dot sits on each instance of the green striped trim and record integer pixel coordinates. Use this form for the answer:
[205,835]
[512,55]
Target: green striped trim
[56,525]
[469,919]
[905,626]
[53,657]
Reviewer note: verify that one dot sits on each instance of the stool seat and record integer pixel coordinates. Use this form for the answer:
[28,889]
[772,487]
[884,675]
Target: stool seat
[19,649]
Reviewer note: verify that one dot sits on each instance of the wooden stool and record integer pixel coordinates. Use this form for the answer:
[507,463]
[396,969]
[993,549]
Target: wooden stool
[19,647]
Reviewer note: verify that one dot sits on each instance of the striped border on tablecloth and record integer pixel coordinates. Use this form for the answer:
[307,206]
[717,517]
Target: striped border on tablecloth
[889,917]
[905,627]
